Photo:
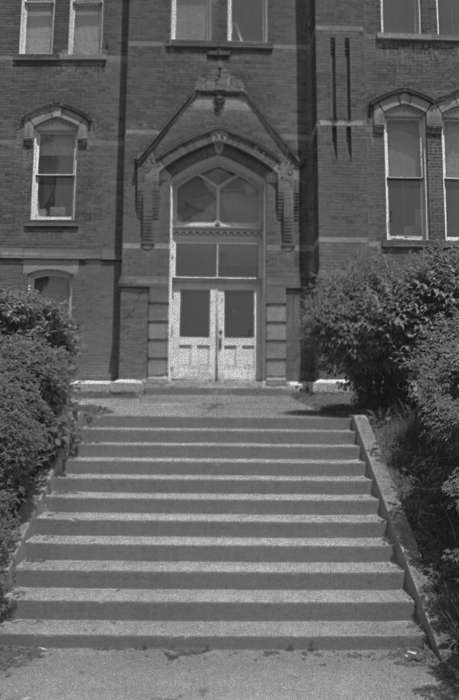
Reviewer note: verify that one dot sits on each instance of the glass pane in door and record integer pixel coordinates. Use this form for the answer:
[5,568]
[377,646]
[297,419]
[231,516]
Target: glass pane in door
[239,314]
[194,313]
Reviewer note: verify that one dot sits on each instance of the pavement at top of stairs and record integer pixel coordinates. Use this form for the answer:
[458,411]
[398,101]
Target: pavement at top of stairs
[283,403]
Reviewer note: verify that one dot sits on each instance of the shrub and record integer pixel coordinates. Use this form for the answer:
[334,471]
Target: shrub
[8,525]
[365,320]
[31,314]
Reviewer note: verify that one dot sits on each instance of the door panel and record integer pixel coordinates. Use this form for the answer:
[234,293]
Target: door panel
[193,335]
[237,342]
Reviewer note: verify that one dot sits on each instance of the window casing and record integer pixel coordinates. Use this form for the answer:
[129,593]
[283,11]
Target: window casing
[401,16]
[211,20]
[451,174]
[37,27]
[54,172]
[405,180]
[448,16]
[85,27]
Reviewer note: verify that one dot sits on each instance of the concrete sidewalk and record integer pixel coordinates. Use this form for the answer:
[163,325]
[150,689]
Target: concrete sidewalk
[81,674]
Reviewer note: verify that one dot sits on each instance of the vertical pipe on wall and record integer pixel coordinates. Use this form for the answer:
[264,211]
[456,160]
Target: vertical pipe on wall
[334,107]
[347,51]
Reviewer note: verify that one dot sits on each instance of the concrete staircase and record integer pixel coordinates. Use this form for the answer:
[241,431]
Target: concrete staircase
[218,532]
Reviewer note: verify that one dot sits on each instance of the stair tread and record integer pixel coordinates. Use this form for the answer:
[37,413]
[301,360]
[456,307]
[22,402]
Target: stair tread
[212,541]
[261,478]
[208,566]
[212,595]
[215,429]
[134,495]
[209,443]
[209,517]
[216,460]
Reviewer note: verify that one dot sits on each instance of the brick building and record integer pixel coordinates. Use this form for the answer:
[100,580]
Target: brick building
[177,170]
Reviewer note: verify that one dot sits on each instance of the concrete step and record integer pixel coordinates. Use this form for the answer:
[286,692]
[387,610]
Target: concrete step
[219,450]
[316,635]
[215,466]
[294,422]
[222,434]
[117,502]
[210,604]
[201,525]
[203,483]
[251,549]
[218,574]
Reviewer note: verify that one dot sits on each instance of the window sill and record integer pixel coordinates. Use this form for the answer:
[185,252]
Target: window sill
[217,47]
[391,39]
[58,60]
[45,224]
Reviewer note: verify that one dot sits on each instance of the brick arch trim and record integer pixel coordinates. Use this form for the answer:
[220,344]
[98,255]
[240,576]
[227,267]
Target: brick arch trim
[381,107]
[33,120]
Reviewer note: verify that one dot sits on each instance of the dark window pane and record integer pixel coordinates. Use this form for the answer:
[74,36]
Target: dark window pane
[248,20]
[404,148]
[239,202]
[88,27]
[55,196]
[238,260]
[448,15]
[198,260]
[56,288]
[406,208]
[56,153]
[39,28]
[193,21]
[452,148]
[239,314]
[401,16]
[194,313]
[452,208]
[196,202]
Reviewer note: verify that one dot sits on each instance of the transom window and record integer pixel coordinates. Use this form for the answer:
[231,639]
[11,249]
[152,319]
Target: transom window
[405,177]
[53,190]
[218,197]
[401,16]
[233,20]
[448,16]
[451,151]
[216,260]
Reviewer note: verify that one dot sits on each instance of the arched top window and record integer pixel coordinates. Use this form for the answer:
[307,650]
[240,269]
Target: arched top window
[55,285]
[217,197]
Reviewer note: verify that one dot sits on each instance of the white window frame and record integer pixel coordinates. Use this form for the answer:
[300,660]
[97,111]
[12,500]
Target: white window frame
[399,114]
[454,117]
[437,5]
[419,18]
[23,28]
[229,21]
[52,272]
[35,216]
[72,15]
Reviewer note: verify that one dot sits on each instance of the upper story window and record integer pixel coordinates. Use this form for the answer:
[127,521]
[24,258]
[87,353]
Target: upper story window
[401,16]
[53,189]
[218,197]
[206,20]
[405,182]
[451,168]
[448,16]
[85,27]
[37,24]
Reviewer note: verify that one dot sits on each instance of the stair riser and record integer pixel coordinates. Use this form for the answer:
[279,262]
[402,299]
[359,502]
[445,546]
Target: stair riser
[148,505]
[178,466]
[184,611]
[136,579]
[275,437]
[229,451]
[63,484]
[217,529]
[142,552]
[142,641]
[304,422]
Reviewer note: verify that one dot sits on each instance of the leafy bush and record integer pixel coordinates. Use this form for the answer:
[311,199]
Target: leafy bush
[365,320]
[31,314]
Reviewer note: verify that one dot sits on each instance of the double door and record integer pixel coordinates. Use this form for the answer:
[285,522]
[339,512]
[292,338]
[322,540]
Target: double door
[213,333]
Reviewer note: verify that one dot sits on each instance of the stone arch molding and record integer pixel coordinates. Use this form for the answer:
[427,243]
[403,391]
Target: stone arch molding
[152,172]
[57,111]
[382,106]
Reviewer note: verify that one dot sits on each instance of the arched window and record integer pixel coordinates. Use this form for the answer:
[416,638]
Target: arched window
[55,285]
[218,197]
[451,169]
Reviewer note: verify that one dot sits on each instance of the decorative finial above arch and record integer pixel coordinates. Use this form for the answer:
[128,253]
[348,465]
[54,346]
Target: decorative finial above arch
[381,107]
[33,120]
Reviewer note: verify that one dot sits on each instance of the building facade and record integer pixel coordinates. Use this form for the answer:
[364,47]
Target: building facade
[177,171]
